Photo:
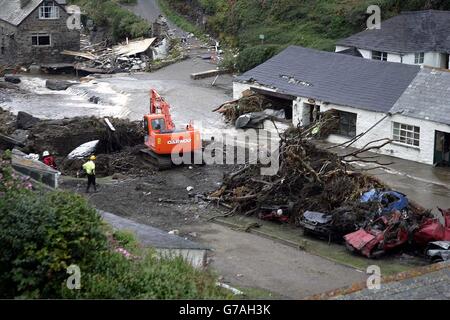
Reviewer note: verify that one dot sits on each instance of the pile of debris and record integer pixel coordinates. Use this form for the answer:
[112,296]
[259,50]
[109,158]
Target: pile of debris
[317,190]
[308,178]
[118,165]
[116,142]
[109,139]
[63,136]
[251,107]
[133,55]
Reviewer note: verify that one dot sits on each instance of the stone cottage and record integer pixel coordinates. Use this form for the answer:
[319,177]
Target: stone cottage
[35,31]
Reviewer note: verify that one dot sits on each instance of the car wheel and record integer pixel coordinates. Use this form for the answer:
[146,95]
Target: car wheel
[437,260]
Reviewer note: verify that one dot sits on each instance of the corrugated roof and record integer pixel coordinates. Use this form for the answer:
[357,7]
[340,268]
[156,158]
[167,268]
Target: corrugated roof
[10,10]
[335,78]
[133,47]
[428,97]
[409,32]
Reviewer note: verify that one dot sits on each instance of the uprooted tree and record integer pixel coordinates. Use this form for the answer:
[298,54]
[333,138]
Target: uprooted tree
[308,179]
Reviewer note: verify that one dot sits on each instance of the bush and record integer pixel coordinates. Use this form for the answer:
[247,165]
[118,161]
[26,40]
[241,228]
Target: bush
[310,23]
[122,22]
[42,234]
[251,57]
[229,60]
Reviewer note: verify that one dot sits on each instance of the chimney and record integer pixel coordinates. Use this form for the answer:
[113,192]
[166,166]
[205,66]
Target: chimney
[23,3]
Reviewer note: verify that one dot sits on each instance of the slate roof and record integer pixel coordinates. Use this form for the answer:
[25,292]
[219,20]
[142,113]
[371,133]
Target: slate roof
[10,10]
[428,97]
[335,78]
[151,236]
[409,32]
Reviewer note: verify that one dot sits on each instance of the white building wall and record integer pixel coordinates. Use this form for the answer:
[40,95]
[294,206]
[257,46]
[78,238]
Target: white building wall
[365,120]
[367,54]
[341,48]
[409,58]
[394,57]
[432,59]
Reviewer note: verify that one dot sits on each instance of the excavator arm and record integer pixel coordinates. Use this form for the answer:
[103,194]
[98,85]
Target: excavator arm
[159,106]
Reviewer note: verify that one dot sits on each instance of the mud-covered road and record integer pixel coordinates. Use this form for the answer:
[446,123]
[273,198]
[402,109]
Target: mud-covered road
[244,260]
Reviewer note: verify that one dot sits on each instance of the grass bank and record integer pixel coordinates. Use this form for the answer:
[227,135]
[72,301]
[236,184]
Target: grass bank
[310,23]
[109,13]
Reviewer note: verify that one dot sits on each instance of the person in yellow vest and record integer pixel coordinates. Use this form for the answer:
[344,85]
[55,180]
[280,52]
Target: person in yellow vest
[89,168]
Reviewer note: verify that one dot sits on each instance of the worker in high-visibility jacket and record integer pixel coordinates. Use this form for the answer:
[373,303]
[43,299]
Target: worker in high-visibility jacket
[89,168]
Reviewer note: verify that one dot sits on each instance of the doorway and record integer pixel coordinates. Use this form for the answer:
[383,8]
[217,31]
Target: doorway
[311,114]
[442,149]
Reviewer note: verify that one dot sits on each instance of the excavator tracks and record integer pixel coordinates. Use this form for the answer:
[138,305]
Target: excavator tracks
[160,162]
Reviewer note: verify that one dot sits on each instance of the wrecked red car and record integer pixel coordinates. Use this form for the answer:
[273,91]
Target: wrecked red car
[432,230]
[382,235]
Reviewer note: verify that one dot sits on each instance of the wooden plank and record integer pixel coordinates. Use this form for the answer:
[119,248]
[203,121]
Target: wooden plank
[207,74]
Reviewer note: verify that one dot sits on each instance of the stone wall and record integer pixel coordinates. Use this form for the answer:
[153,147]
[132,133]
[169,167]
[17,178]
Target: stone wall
[19,48]
[7,44]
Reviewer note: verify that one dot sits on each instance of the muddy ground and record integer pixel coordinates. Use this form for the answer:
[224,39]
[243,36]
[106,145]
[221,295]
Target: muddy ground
[263,268]
[160,199]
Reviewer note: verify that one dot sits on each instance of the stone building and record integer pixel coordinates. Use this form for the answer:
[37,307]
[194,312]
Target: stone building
[35,31]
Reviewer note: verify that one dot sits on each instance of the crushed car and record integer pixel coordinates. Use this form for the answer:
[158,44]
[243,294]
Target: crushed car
[438,251]
[388,200]
[382,235]
[432,230]
[317,223]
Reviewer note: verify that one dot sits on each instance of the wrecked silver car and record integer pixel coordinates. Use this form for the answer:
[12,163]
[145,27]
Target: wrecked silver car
[438,251]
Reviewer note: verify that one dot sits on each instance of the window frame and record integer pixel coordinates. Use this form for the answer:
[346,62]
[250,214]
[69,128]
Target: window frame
[347,124]
[53,11]
[419,58]
[39,35]
[159,121]
[406,134]
[379,55]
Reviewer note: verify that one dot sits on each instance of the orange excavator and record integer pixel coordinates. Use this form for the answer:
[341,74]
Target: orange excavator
[163,140]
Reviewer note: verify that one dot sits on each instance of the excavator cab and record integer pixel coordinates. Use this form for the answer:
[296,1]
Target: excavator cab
[159,125]
[156,124]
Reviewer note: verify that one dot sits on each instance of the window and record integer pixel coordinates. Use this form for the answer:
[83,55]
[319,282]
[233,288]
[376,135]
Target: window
[40,39]
[2,50]
[419,58]
[159,124]
[377,55]
[48,10]
[406,134]
[347,124]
